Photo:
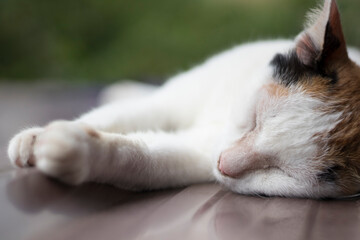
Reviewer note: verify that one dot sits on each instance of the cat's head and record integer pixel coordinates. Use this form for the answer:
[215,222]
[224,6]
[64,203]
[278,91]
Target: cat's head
[304,138]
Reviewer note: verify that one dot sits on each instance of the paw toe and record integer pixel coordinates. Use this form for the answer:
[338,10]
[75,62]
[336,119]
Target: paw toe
[20,149]
[62,152]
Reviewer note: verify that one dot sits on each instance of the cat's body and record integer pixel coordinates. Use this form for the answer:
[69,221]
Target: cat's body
[251,118]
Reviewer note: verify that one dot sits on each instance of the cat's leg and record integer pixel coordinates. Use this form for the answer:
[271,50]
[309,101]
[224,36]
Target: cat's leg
[75,153]
[169,108]
[149,113]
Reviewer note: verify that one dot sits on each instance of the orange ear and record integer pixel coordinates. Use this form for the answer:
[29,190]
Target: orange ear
[323,41]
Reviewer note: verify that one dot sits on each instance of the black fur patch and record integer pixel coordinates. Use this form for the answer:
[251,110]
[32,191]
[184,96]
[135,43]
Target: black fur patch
[289,70]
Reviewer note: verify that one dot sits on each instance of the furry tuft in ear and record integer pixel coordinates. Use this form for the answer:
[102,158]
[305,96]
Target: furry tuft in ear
[322,41]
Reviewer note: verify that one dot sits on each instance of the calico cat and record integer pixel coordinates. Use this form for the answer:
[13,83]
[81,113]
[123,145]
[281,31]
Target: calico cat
[273,117]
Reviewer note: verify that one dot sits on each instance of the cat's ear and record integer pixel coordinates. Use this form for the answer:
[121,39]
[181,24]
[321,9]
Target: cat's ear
[322,42]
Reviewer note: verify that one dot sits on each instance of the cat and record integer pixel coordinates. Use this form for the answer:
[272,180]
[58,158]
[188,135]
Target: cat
[279,118]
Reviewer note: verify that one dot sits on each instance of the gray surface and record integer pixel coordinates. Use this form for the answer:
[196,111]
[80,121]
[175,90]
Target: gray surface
[35,207]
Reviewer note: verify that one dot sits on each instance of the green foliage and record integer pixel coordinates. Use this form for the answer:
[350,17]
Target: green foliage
[106,40]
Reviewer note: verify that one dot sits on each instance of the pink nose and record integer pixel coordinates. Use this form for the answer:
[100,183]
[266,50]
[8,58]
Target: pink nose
[221,167]
[234,163]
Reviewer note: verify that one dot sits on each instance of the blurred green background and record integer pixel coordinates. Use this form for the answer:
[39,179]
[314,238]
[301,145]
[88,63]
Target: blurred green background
[107,40]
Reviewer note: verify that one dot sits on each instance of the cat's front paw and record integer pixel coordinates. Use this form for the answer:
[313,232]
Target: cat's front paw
[21,147]
[63,151]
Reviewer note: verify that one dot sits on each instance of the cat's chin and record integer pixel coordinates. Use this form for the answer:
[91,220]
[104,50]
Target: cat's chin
[275,182]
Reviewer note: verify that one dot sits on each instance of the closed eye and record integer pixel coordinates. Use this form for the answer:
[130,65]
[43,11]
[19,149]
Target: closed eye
[329,174]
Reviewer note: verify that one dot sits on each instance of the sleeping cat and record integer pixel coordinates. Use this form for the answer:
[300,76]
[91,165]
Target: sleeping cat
[275,118]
